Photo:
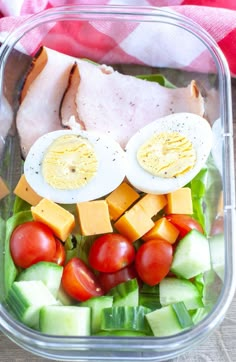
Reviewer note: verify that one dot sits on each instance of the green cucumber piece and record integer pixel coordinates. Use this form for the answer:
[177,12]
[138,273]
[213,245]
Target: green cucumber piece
[173,290]
[26,298]
[192,255]
[126,293]
[217,252]
[166,321]
[49,273]
[64,320]
[97,304]
[149,296]
[125,318]
[182,314]
[64,298]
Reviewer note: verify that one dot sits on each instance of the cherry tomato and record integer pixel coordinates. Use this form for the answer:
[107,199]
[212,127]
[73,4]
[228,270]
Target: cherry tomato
[153,260]
[60,255]
[111,252]
[79,281]
[110,280]
[184,223]
[32,242]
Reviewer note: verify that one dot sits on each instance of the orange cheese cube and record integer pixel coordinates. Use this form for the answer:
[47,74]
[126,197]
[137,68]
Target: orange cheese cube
[94,217]
[134,223]
[60,220]
[152,204]
[163,229]
[121,199]
[25,192]
[4,190]
[180,202]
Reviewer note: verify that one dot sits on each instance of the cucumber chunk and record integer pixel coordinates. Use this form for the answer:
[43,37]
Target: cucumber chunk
[149,296]
[217,252]
[126,294]
[173,290]
[167,321]
[182,314]
[49,273]
[97,304]
[26,298]
[64,298]
[125,318]
[65,320]
[192,255]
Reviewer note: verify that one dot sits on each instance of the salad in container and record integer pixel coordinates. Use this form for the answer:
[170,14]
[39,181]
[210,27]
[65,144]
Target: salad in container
[116,186]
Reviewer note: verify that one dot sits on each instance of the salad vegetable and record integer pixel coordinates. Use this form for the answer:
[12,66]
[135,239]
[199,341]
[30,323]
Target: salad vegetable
[131,261]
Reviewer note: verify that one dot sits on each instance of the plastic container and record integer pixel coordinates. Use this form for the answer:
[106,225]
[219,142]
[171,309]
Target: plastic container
[211,71]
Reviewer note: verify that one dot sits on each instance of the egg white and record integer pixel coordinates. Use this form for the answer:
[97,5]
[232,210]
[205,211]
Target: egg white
[111,168]
[195,128]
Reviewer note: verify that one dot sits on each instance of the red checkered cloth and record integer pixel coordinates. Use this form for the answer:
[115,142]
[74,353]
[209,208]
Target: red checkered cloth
[218,17]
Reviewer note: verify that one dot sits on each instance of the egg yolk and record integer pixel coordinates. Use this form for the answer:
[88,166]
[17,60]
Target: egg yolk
[167,154]
[69,163]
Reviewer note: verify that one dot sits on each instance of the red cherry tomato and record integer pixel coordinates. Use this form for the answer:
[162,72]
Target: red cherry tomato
[153,260]
[79,281]
[111,252]
[110,280]
[60,255]
[32,242]
[184,223]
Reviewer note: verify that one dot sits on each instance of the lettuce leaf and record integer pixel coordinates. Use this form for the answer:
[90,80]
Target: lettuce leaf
[205,186]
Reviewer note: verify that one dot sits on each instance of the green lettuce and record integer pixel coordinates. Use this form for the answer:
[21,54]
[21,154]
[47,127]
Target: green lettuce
[205,187]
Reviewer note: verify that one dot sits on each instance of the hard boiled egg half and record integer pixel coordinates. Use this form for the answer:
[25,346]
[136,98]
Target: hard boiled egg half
[69,166]
[166,154]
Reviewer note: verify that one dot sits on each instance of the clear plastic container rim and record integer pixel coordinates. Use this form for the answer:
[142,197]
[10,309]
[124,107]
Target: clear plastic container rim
[23,335]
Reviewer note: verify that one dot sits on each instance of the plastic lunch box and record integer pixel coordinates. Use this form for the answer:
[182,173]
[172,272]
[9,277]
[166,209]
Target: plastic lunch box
[215,80]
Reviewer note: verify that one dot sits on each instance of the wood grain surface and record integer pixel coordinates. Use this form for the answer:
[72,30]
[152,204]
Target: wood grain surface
[219,347]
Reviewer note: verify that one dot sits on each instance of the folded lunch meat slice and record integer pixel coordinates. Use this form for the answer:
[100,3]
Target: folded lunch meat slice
[119,105]
[41,97]
[68,106]
[96,97]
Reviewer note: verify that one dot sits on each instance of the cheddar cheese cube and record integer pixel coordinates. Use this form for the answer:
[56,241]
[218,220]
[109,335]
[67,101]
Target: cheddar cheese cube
[121,199]
[152,204]
[179,202]
[163,229]
[94,217]
[4,190]
[134,223]
[60,220]
[25,192]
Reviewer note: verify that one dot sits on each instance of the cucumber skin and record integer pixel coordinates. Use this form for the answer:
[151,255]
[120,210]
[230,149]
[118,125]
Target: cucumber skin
[24,304]
[192,255]
[126,293]
[125,318]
